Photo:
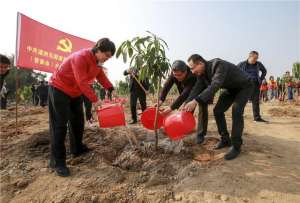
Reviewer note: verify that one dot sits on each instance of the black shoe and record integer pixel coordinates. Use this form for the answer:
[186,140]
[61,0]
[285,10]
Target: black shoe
[83,150]
[61,170]
[260,120]
[200,138]
[133,122]
[224,142]
[232,153]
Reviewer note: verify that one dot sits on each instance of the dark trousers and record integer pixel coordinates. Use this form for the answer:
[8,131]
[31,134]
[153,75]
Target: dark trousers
[134,96]
[63,111]
[43,100]
[238,98]
[88,107]
[36,99]
[33,98]
[255,100]
[202,119]
[3,101]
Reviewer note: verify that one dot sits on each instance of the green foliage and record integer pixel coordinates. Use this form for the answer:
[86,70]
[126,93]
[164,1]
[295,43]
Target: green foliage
[26,78]
[147,55]
[25,94]
[296,70]
[122,87]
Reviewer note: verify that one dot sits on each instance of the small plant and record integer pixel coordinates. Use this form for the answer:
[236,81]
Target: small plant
[25,94]
[148,56]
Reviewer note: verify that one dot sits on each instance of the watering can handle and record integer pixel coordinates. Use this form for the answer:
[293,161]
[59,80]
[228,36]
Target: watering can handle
[106,107]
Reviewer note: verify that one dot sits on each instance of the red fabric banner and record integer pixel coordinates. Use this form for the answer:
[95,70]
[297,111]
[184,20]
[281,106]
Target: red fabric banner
[43,48]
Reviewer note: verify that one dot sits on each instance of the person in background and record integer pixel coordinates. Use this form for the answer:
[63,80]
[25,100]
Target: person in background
[272,88]
[264,91]
[33,92]
[3,96]
[237,87]
[288,79]
[278,87]
[42,92]
[4,68]
[66,86]
[253,67]
[36,95]
[281,89]
[298,88]
[88,108]
[102,93]
[184,80]
[136,93]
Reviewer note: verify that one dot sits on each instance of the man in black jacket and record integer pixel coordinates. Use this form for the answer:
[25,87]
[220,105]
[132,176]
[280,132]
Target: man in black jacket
[184,80]
[42,91]
[237,87]
[136,92]
[252,67]
[4,68]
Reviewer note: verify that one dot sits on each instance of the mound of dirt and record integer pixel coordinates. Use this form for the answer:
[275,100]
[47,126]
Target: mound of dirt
[124,166]
[284,112]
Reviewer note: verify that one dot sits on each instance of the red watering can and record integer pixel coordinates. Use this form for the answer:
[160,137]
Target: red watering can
[111,116]
[179,124]
[148,118]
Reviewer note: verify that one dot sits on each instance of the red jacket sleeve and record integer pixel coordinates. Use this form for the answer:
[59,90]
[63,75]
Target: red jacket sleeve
[103,80]
[79,67]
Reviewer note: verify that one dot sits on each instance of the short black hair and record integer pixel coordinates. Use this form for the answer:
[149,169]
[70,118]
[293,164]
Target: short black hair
[254,52]
[179,65]
[196,58]
[104,45]
[4,59]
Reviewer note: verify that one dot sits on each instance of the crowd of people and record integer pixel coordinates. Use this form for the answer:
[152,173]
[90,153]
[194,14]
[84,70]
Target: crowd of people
[284,88]
[71,87]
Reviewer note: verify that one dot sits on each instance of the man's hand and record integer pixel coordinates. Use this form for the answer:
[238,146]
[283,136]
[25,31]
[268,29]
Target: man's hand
[97,105]
[190,106]
[167,111]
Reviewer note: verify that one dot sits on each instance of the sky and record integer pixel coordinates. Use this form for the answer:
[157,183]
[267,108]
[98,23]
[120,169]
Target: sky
[214,29]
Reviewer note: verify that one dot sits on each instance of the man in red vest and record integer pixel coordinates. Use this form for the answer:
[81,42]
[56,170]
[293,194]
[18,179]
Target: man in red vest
[66,86]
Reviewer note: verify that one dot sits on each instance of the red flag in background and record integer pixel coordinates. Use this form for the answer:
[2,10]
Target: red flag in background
[43,48]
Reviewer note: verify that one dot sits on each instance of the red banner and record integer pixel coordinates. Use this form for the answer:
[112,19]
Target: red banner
[43,48]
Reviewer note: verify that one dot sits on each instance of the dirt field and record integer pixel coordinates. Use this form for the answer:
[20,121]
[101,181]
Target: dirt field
[268,170]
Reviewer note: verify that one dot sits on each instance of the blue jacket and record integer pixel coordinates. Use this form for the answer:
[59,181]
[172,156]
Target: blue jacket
[259,67]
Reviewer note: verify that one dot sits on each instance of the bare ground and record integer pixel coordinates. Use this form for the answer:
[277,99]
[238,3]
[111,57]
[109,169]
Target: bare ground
[268,169]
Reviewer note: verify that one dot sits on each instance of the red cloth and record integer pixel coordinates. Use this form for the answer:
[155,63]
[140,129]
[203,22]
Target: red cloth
[272,85]
[77,72]
[263,87]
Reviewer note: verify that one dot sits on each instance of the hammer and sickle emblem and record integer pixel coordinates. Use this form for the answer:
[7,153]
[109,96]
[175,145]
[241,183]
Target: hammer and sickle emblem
[64,45]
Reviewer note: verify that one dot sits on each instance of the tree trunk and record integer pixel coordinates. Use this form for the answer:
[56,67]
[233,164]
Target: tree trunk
[156,115]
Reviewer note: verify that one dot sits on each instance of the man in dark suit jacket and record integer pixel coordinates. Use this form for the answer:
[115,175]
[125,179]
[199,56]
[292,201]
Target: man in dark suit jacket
[237,87]
[136,93]
[252,67]
[184,80]
[4,68]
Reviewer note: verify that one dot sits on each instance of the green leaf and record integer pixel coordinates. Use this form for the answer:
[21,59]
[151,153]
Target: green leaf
[130,52]
[124,53]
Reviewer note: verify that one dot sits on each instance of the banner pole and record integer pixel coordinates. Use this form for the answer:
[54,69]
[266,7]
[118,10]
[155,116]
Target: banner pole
[17,98]
[17,74]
